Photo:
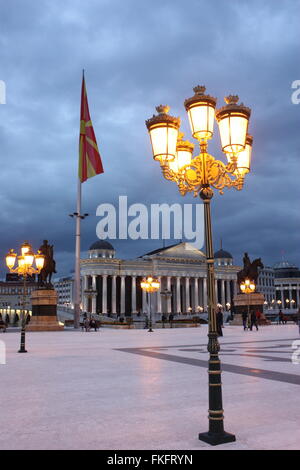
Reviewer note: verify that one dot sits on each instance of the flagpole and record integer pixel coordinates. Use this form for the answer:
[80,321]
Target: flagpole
[77,284]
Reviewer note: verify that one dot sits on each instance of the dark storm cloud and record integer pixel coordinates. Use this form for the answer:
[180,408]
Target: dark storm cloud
[136,55]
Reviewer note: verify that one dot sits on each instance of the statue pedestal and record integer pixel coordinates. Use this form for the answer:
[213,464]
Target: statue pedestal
[255,301]
[44,302]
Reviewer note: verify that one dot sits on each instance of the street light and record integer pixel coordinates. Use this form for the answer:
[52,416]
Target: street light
[24,268]
[150,284]
[248,287]
[199,175]
[167,295]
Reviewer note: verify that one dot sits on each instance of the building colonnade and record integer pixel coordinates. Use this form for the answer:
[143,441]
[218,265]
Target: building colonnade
[122,294]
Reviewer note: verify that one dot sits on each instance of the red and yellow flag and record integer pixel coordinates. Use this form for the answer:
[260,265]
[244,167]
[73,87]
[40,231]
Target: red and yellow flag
[90,163]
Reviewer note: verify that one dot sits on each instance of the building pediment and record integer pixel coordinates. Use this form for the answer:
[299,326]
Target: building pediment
[181,251]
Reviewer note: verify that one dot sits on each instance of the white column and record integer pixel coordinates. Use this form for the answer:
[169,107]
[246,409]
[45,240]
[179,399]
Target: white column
[169,298]
[94,297]
[133,294]
[196,294]
[200,303]
[85,296]
[187,294]
[216,289]
[158,297]
[94,300]
[122,295]
[205,293]
[282,299]
[178,303]
[104,294]
[235,289]
[144,302]
[223,293]
[114,294]
[228,297]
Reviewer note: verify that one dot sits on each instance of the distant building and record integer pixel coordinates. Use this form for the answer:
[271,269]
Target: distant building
[287,285]
[266,284]
[112,285]
[11,294]
[280,286]
[65,291]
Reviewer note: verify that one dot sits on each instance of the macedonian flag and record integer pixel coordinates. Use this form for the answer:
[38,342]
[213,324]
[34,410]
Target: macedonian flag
[90,163]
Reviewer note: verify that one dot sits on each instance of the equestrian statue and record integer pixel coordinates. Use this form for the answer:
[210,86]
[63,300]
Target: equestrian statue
[44,278]
[250,270]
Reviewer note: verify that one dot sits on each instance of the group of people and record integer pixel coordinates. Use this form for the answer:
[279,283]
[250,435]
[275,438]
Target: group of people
[251,320]
[90,323]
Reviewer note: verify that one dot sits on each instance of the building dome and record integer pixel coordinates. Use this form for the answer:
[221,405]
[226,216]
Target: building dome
[101,249]
[101,245]
[284,269]
[284,265]
[223,258]
[222,254]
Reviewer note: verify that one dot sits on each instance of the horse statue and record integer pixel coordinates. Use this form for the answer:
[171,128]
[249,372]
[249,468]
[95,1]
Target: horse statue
[250,270]
[44,278]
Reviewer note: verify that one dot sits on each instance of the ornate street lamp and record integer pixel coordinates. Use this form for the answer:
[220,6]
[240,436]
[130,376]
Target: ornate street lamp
[150,285]
[24,268]
[248,287]
[200,175]
[167,295]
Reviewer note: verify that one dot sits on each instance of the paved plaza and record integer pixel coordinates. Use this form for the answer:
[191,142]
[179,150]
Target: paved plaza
[130,389]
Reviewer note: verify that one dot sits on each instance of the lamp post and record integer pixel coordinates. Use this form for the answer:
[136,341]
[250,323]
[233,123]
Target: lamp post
[25,268]
[166,294]
[199,175]
[248,287]
[150,284]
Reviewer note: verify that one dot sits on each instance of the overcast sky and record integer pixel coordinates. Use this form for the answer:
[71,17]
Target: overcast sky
[139,54]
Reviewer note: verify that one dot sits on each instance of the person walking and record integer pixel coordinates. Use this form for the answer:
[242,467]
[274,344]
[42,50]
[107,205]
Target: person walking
[253,321]
[245,318]
[280,318]
[219,322]
[86,324]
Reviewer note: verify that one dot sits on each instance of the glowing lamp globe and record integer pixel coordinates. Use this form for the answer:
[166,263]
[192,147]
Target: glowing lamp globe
[233,120]
[163,131]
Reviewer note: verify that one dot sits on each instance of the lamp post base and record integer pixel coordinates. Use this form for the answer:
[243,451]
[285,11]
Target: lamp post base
[22,351]
[215,439]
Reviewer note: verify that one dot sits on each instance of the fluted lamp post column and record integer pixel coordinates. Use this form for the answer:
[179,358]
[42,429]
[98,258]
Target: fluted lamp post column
[24,268]
[149,285]
[200,175]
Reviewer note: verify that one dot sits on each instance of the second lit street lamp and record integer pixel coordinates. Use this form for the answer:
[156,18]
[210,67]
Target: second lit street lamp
[150,285]
[24,268]
[248,287]
[199,175]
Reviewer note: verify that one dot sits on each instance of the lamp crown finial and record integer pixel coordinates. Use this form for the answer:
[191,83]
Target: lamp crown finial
[199,89]
[231,99]
[162,109]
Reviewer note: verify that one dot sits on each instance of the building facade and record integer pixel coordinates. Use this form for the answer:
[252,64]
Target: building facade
[266,285]
[11,295]
[112,286]
[65,291]
[287,285]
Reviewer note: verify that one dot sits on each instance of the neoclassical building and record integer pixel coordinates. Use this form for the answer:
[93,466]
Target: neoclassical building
[287,285]
[112,285]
